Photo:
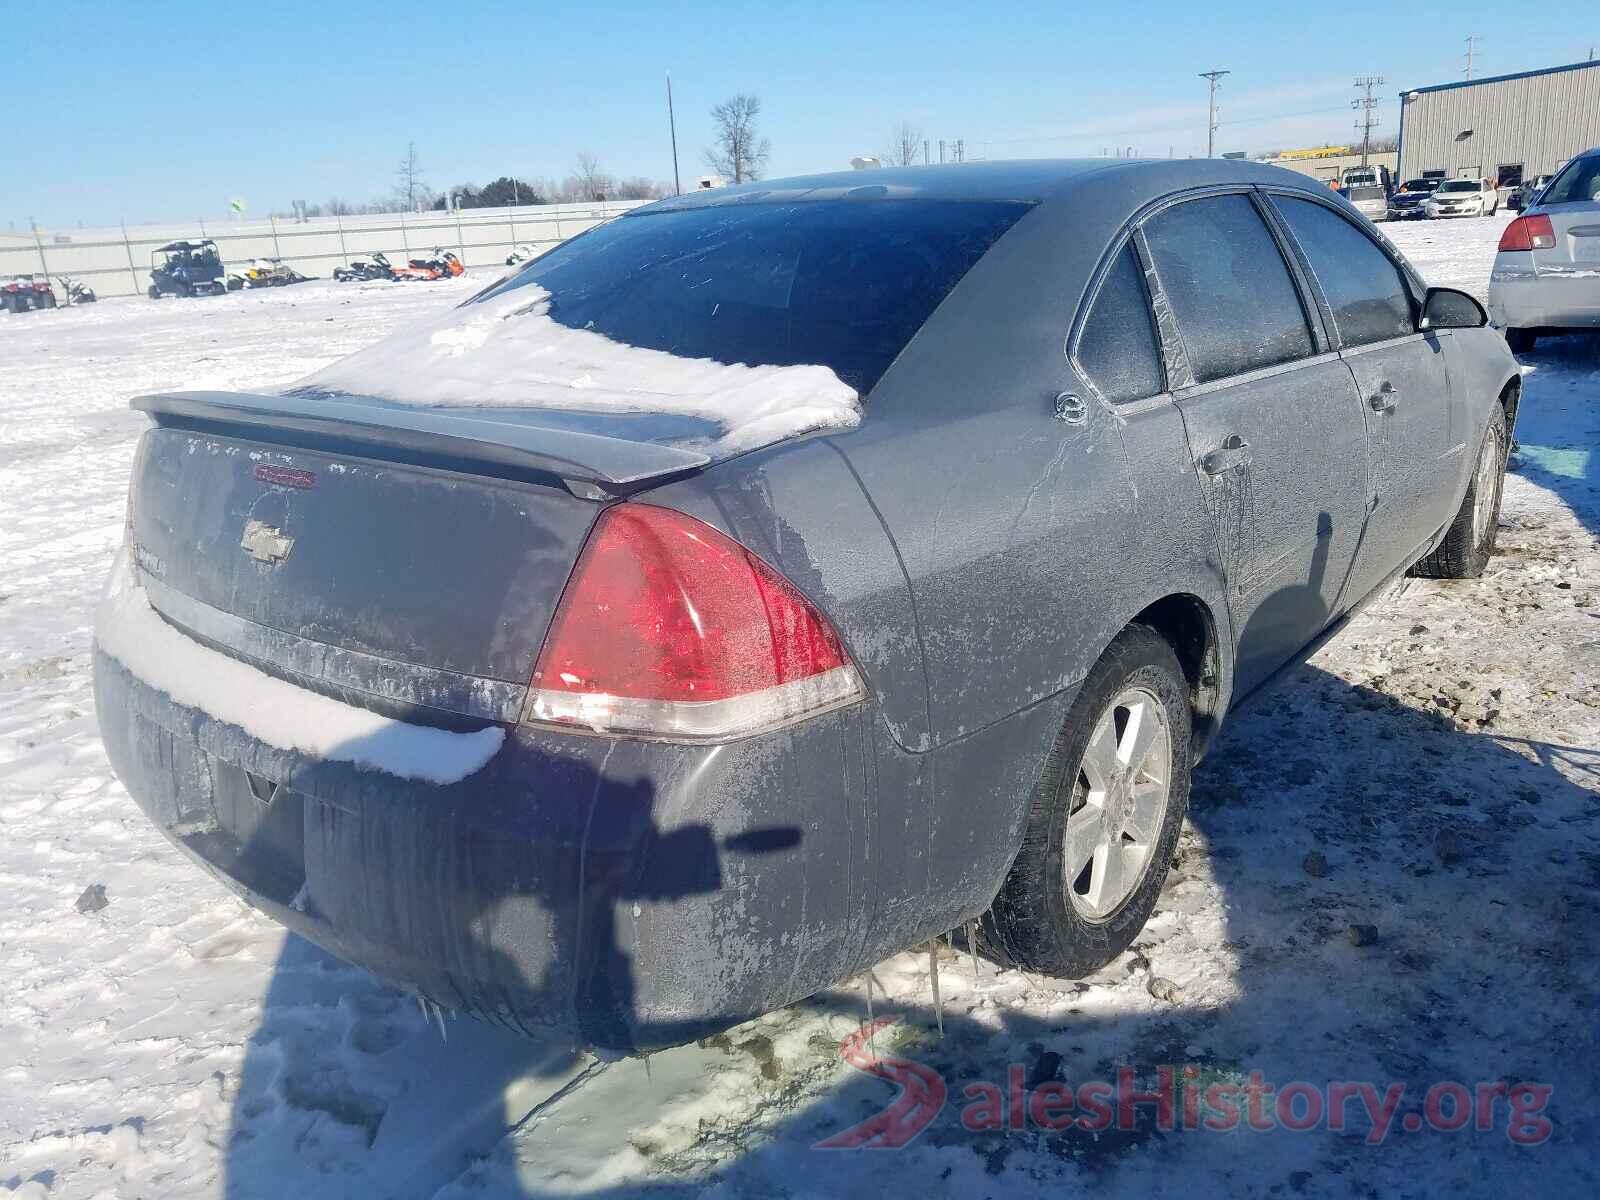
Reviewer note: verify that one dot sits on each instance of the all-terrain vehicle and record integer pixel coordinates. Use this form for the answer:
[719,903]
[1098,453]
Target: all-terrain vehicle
[27,292]
[77,293]
[186,269]
[374,266]
[441,265]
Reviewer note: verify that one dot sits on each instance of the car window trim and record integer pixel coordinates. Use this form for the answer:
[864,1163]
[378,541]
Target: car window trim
[1199,390]
[1184,383]
[1102,271]
[1414,287]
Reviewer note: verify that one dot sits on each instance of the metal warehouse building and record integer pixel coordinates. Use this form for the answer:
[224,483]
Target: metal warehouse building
[1507,127]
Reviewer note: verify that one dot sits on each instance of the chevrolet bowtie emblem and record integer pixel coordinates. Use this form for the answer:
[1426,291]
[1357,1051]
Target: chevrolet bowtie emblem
[265,543]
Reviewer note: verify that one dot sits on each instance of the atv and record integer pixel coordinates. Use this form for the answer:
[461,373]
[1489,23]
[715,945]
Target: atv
[77,293]
[27,292]
[376,266]
[442,265]
[187,269]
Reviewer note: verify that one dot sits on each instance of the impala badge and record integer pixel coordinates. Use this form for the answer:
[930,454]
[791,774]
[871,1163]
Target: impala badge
[265,543]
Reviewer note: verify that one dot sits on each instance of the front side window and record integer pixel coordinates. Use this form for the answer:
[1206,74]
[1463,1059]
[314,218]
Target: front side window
[1117,349]
[840,283]
[1236,305]
[1365,290]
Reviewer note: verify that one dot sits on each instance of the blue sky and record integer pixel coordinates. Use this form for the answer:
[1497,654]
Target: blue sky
[165,110]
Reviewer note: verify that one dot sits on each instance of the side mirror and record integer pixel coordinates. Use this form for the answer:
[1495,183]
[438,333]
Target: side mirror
[1446,308]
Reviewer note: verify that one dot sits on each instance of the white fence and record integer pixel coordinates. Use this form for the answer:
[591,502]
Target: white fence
[116,262]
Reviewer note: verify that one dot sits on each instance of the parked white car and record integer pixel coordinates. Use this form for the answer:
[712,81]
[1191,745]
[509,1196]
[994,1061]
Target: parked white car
[1370,200]
[1546,275]
[1463,198]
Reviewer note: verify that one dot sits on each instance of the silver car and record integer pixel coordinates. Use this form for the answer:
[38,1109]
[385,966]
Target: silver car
[1547,273]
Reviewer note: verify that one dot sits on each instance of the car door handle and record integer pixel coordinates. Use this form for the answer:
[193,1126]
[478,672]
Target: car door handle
[1384,399]
[1230,456]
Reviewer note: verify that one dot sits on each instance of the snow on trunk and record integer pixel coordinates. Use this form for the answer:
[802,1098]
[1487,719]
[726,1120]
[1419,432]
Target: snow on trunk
[509,352]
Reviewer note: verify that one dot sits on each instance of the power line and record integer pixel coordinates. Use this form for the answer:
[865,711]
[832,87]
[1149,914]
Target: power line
[1364,106]
[1211,112]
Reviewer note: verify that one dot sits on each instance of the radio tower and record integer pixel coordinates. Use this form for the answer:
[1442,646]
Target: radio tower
[1211,113]
[1367,118]
[1472,46]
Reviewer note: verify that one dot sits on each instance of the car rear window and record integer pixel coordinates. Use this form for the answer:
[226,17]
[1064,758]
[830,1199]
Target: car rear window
[1580,181]
[840,283]
[1365,192]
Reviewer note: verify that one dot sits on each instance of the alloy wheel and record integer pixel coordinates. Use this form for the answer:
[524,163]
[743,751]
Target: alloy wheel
[1119,804]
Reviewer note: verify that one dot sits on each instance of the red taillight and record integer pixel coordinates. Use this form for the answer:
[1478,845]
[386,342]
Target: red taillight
[669,628]
[1529,233]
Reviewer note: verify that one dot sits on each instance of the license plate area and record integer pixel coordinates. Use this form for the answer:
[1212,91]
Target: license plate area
[259,835]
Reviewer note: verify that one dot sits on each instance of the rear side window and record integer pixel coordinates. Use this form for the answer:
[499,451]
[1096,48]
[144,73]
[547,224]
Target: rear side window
[840,283]
[1117,349]
[1578,181]
[1364,288]
[1236,305]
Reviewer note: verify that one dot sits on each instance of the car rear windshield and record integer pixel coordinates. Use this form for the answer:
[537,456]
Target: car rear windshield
[1364,192]
[1460,185]
[840,283]
[1580,181]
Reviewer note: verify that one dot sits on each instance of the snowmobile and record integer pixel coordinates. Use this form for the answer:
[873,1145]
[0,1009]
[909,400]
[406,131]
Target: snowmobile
[27,292]
[442,265]
[187,269]
[77,293]
[375,266]
[265,272]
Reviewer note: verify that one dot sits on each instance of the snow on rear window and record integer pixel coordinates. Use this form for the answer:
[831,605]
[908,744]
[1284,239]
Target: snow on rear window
[770,319]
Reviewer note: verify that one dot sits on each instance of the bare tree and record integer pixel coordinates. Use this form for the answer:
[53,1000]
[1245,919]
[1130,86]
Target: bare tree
[740,153]
[905,145]
[409,184]
[589,182]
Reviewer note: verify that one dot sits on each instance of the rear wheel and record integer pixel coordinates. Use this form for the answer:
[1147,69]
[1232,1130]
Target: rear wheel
[1467,546]
[1104,819]
[1521,341]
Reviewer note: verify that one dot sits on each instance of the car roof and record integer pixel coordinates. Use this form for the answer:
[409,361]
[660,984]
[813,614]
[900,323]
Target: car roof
[1025,181]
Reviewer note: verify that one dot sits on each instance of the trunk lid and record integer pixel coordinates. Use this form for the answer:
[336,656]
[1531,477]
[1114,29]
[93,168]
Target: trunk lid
[396,557]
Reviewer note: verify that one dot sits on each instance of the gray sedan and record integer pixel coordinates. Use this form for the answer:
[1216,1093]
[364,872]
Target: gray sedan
[1546,275]
[776,578]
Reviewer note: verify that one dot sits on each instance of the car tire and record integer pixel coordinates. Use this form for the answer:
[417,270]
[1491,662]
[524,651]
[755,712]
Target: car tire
[1044,921]
[1521,341]
[1469,541]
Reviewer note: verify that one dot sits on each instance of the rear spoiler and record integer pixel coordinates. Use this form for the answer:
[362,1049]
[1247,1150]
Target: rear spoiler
[474,435]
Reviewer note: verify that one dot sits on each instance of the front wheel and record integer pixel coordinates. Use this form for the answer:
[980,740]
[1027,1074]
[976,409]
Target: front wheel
[1104,819]
[1467,545]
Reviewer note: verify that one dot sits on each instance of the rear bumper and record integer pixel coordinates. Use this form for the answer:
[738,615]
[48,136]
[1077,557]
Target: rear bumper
[1519,299]
[613,893]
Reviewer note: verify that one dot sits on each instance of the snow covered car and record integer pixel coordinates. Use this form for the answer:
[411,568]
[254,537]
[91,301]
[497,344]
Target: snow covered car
[777,577]
[1462,198]
[1546,276]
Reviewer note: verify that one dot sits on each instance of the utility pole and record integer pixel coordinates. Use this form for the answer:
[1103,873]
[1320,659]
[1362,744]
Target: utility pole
[1364,107]
[672,124]
[1472,40]
[1211,112]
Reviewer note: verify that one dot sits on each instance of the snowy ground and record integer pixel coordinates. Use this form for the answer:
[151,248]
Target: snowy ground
[1433,774]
